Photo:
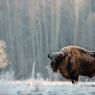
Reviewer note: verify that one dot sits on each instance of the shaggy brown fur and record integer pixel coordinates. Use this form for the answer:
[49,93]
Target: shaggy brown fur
[72,61]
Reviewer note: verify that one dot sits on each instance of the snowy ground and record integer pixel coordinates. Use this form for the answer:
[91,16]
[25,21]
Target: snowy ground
[32,87]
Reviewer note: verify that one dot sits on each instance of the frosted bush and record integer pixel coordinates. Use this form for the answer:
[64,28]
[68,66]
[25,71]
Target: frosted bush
[3,56]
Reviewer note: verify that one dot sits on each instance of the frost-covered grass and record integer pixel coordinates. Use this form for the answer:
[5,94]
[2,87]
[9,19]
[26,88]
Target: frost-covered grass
[40,87]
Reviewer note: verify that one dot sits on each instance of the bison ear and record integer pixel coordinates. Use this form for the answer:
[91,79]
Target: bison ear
[61,55]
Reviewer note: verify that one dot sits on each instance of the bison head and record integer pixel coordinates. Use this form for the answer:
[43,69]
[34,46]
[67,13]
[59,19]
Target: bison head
[56,60]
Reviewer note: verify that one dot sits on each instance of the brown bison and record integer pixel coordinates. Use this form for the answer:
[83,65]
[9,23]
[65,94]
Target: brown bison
[72,61]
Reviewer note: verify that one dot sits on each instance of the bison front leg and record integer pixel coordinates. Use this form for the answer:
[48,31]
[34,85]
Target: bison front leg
[73,72]
[74,77]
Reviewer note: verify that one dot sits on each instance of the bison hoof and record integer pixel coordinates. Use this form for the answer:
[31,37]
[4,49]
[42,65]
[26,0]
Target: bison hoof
[74,81]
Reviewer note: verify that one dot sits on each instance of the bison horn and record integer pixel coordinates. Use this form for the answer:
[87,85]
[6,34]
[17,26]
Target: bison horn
[49,56]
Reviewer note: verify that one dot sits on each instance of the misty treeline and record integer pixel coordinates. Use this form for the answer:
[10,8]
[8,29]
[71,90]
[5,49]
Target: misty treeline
[34,28]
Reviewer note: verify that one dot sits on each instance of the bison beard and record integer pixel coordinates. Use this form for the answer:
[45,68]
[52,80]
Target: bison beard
[72,61]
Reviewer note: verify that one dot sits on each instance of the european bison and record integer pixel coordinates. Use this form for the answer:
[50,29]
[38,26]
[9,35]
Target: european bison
[72,61]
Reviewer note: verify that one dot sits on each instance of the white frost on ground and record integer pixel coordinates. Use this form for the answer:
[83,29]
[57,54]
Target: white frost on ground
[36,87]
